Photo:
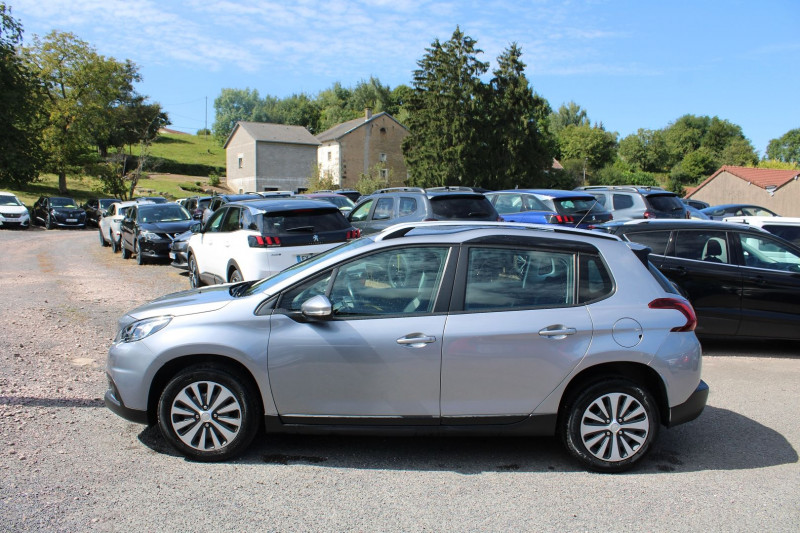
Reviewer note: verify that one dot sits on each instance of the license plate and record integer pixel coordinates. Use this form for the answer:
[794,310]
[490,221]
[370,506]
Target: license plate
[303,257]
[72,220]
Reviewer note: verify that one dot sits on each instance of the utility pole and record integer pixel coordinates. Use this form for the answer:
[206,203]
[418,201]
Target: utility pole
[205,129]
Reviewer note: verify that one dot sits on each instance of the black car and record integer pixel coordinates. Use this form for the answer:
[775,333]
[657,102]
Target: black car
[94,208]
[58,212]
[718,212]
[147,231]
[179,250]
[741,280]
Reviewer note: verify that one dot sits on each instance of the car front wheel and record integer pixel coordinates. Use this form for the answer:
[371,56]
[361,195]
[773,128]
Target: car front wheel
[208,413]
[114,243]
[194,273]
[140,260]
[126,254]
[236,276]
[610,425]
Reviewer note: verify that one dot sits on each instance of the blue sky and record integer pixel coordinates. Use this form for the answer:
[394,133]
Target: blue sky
[629,64]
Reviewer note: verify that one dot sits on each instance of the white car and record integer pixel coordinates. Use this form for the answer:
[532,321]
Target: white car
[787,228]
[13,213]
[109,224]
[253,239]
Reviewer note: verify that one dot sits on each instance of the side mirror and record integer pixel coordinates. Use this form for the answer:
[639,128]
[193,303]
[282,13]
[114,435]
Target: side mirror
[196,228]
[317,307]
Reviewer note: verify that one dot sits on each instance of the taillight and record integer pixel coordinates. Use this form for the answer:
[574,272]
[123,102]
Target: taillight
[649,214]
[353,234]
[260,241]
[679,305]
[561,219]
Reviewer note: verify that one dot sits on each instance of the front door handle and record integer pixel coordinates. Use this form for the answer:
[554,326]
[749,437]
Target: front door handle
[557,332]
[416,340]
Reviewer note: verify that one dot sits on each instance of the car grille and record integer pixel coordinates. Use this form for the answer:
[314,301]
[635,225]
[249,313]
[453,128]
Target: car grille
[11,215]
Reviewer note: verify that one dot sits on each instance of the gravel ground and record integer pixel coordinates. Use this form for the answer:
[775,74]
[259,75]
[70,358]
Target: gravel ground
[69,464]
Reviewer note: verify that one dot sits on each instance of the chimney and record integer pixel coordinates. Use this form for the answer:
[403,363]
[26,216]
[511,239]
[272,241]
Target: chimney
[367,113]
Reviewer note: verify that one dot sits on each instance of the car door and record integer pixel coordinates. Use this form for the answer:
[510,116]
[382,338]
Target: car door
[377,359]
[713,283]
[210,254]
[128,227]
[514,332]
[771,287]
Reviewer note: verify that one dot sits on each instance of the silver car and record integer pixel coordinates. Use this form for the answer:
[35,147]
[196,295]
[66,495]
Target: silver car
[476,328]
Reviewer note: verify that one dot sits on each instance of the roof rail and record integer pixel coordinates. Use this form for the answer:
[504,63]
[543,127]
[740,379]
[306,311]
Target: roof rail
[399,189]
[399,230]
[450,188]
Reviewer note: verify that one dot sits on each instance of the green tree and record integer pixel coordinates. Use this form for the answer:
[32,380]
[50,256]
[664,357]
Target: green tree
[645,150]
[591,144]
[738,152]
[232,106]
[519,148]
[570,114]
[785,148]
[20,108]
[80,87]
[693,168]
[444,114]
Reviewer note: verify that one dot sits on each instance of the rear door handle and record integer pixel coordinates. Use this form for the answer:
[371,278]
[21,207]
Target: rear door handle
[416,340]
[557,332]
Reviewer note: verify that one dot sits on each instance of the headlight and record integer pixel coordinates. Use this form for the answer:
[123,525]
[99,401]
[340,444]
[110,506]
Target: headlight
[142,328]
[150,236]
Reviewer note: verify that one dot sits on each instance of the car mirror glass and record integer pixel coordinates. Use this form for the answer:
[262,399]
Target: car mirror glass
[196,227]
[318,307]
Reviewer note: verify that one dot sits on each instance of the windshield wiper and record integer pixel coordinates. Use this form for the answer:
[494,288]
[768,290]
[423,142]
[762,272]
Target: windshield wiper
[301,228]
[239,288]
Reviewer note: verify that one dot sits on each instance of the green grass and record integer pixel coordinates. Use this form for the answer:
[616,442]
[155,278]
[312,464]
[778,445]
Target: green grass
[176,152]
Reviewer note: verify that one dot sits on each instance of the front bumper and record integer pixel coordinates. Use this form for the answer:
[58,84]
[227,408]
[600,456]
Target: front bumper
[157,250]
[8,222]
[113,402]
[691,408]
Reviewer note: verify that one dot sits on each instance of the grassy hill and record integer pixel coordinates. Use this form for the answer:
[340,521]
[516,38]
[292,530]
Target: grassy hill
[180,166]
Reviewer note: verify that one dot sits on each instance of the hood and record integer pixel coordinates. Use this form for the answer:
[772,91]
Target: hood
[182,303]
[168,227]
[13,209]
[68,210]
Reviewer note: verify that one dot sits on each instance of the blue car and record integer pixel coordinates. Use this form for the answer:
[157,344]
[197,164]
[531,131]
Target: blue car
[522,206]
[572,208]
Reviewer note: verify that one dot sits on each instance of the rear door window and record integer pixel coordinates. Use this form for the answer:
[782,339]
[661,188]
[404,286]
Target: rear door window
[407,206]
[623,201]
[384,209]
[702,245]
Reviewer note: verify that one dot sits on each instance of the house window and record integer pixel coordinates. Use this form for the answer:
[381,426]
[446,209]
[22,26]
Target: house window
[383,158]
[329,156]
[240,159]
[385,173]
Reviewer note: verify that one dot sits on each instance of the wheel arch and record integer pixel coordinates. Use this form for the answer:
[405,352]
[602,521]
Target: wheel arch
[232,265]
[641,374]
[171,368]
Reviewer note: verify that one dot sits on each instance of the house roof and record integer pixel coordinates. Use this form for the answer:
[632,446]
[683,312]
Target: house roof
[340,130]
[760,177]
[276,133]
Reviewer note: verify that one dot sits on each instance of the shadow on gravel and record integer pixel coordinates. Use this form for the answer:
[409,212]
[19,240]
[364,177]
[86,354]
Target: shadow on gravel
[719,440]
[751,348]
[28,401]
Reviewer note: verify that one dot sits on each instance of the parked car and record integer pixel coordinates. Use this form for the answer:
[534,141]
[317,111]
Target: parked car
[387,207]
[424,328]
[696,213]
[628,201]
[584,209]
[250,240]
[110,222]
[353,194]
[697,204]
[521,206]
[273,194]
[13,213]
[94,208]
[741,280]
[787,228]
[147,230]
[221,199]
[344,203]
[152,199]
[58,212]
[196,205]
[718,212]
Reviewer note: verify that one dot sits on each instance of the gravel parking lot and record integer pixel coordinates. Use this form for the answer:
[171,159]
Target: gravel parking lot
[69,464]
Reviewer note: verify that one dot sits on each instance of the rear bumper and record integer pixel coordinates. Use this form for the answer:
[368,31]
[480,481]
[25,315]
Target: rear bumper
[691,408]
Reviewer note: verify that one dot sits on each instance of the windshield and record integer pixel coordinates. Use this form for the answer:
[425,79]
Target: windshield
[63,202]
[163,213]
[573,206]
[9,200]
[266,283]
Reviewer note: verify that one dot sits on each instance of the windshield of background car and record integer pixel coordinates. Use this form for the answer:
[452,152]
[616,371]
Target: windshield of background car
[105,202]
[665,202]
[517,203]
[573,206]
[464,207]
[266,283]
[788,233]
[63,202]
[9,200]
[303,221]
[163,213]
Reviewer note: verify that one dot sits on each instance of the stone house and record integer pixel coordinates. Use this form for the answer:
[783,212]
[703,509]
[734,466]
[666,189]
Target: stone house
[261,156]
[777,190]
[352,148]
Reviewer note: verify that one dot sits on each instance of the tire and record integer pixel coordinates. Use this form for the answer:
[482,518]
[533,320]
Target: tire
[140,260]
[102,239]
[48,224]
[115,245]
[610,425]
[194,274]
[126,254]
[200,430]
[235,276]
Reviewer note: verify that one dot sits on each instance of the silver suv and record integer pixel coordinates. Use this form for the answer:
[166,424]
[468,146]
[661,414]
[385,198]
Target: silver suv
[628,201]
[477,328]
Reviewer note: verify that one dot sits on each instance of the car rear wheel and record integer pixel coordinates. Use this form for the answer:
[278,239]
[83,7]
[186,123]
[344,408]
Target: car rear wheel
[610,425]
[194,273]
[102,239]
[208,413]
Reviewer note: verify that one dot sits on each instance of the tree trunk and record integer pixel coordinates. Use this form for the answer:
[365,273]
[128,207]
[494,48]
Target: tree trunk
[62,182]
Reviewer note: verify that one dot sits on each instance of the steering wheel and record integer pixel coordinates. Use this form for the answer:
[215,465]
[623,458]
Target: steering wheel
[398,271]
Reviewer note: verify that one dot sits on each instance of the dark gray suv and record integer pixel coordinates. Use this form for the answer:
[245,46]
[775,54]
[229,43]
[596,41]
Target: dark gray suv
[629,202]
[387,207]
[443,328]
